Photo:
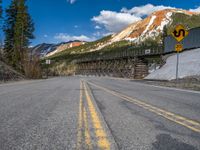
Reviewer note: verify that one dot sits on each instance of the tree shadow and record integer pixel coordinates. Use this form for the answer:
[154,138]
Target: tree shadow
[166,142]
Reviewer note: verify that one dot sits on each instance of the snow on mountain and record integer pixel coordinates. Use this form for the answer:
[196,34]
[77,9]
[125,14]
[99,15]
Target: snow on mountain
[45,49]
[65,46]
[150,27]
[189,65]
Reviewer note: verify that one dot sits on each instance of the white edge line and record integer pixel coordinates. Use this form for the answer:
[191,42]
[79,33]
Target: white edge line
[156,86]
[171,88]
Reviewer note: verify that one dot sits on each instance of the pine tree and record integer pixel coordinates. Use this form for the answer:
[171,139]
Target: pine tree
[8,28]
[1,10]
[1,44]
[23,32]
[19,30]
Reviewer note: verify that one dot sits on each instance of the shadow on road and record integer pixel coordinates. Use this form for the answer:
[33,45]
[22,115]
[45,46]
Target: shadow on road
[166,142]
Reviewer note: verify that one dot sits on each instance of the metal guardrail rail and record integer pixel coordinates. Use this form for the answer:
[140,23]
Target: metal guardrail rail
[127,53]
[190,42]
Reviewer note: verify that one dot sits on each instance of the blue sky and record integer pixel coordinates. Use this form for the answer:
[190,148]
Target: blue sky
[63,20]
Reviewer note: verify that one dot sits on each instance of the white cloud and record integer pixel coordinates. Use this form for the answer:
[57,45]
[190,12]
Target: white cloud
[66,37]
[97,34]
[97,27]
[107,34]
[45,36]
[144,10]
[101,34]
[71,1]
[116,21]
[196,9]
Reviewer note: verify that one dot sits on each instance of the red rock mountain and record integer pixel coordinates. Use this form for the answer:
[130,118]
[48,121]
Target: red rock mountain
[65,46]
[151,26]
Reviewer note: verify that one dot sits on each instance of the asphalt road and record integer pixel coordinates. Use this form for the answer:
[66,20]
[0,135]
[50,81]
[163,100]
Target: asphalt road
[97,113]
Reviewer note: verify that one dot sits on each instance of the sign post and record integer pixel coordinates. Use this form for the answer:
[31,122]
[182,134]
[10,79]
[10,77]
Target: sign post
[48,62]
[179,33]
[177,65]
[178,48]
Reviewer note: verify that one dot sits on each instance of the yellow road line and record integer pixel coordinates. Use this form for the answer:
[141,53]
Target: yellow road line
[191,124]
[80,122]
[87,132]
[103,142]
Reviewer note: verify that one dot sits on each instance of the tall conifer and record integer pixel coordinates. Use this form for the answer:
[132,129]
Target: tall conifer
[8,29]
[19,30]
[1,43]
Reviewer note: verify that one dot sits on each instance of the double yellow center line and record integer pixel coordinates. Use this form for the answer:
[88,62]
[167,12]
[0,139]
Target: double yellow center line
[191,124]
[84,132]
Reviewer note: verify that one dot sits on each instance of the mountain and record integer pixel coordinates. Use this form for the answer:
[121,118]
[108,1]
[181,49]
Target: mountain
[87,47]
[148,30]
[43,49]
[63,46]
[138,35]
[46,49]
[153,26]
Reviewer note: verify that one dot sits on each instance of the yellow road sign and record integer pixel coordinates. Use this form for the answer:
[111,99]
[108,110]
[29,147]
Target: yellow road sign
[178,47]
[180,32]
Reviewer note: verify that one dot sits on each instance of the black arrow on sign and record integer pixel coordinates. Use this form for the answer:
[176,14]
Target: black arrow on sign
[178,34]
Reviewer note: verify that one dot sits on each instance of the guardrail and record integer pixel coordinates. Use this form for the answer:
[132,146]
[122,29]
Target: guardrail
[119,54]
[190,42]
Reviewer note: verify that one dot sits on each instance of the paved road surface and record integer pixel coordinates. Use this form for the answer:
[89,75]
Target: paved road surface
[97,113]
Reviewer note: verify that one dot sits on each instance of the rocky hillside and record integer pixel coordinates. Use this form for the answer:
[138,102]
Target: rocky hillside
[45,49]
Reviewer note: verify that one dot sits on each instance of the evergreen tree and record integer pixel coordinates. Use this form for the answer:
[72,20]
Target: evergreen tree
[19,31]
[1,10]
[8,28]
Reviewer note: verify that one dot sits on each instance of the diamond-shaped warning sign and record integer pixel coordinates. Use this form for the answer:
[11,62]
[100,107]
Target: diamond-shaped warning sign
[180,32]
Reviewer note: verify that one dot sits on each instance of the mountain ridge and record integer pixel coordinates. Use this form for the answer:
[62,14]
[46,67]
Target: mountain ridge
[149,29]
[48,49]
[152,26]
